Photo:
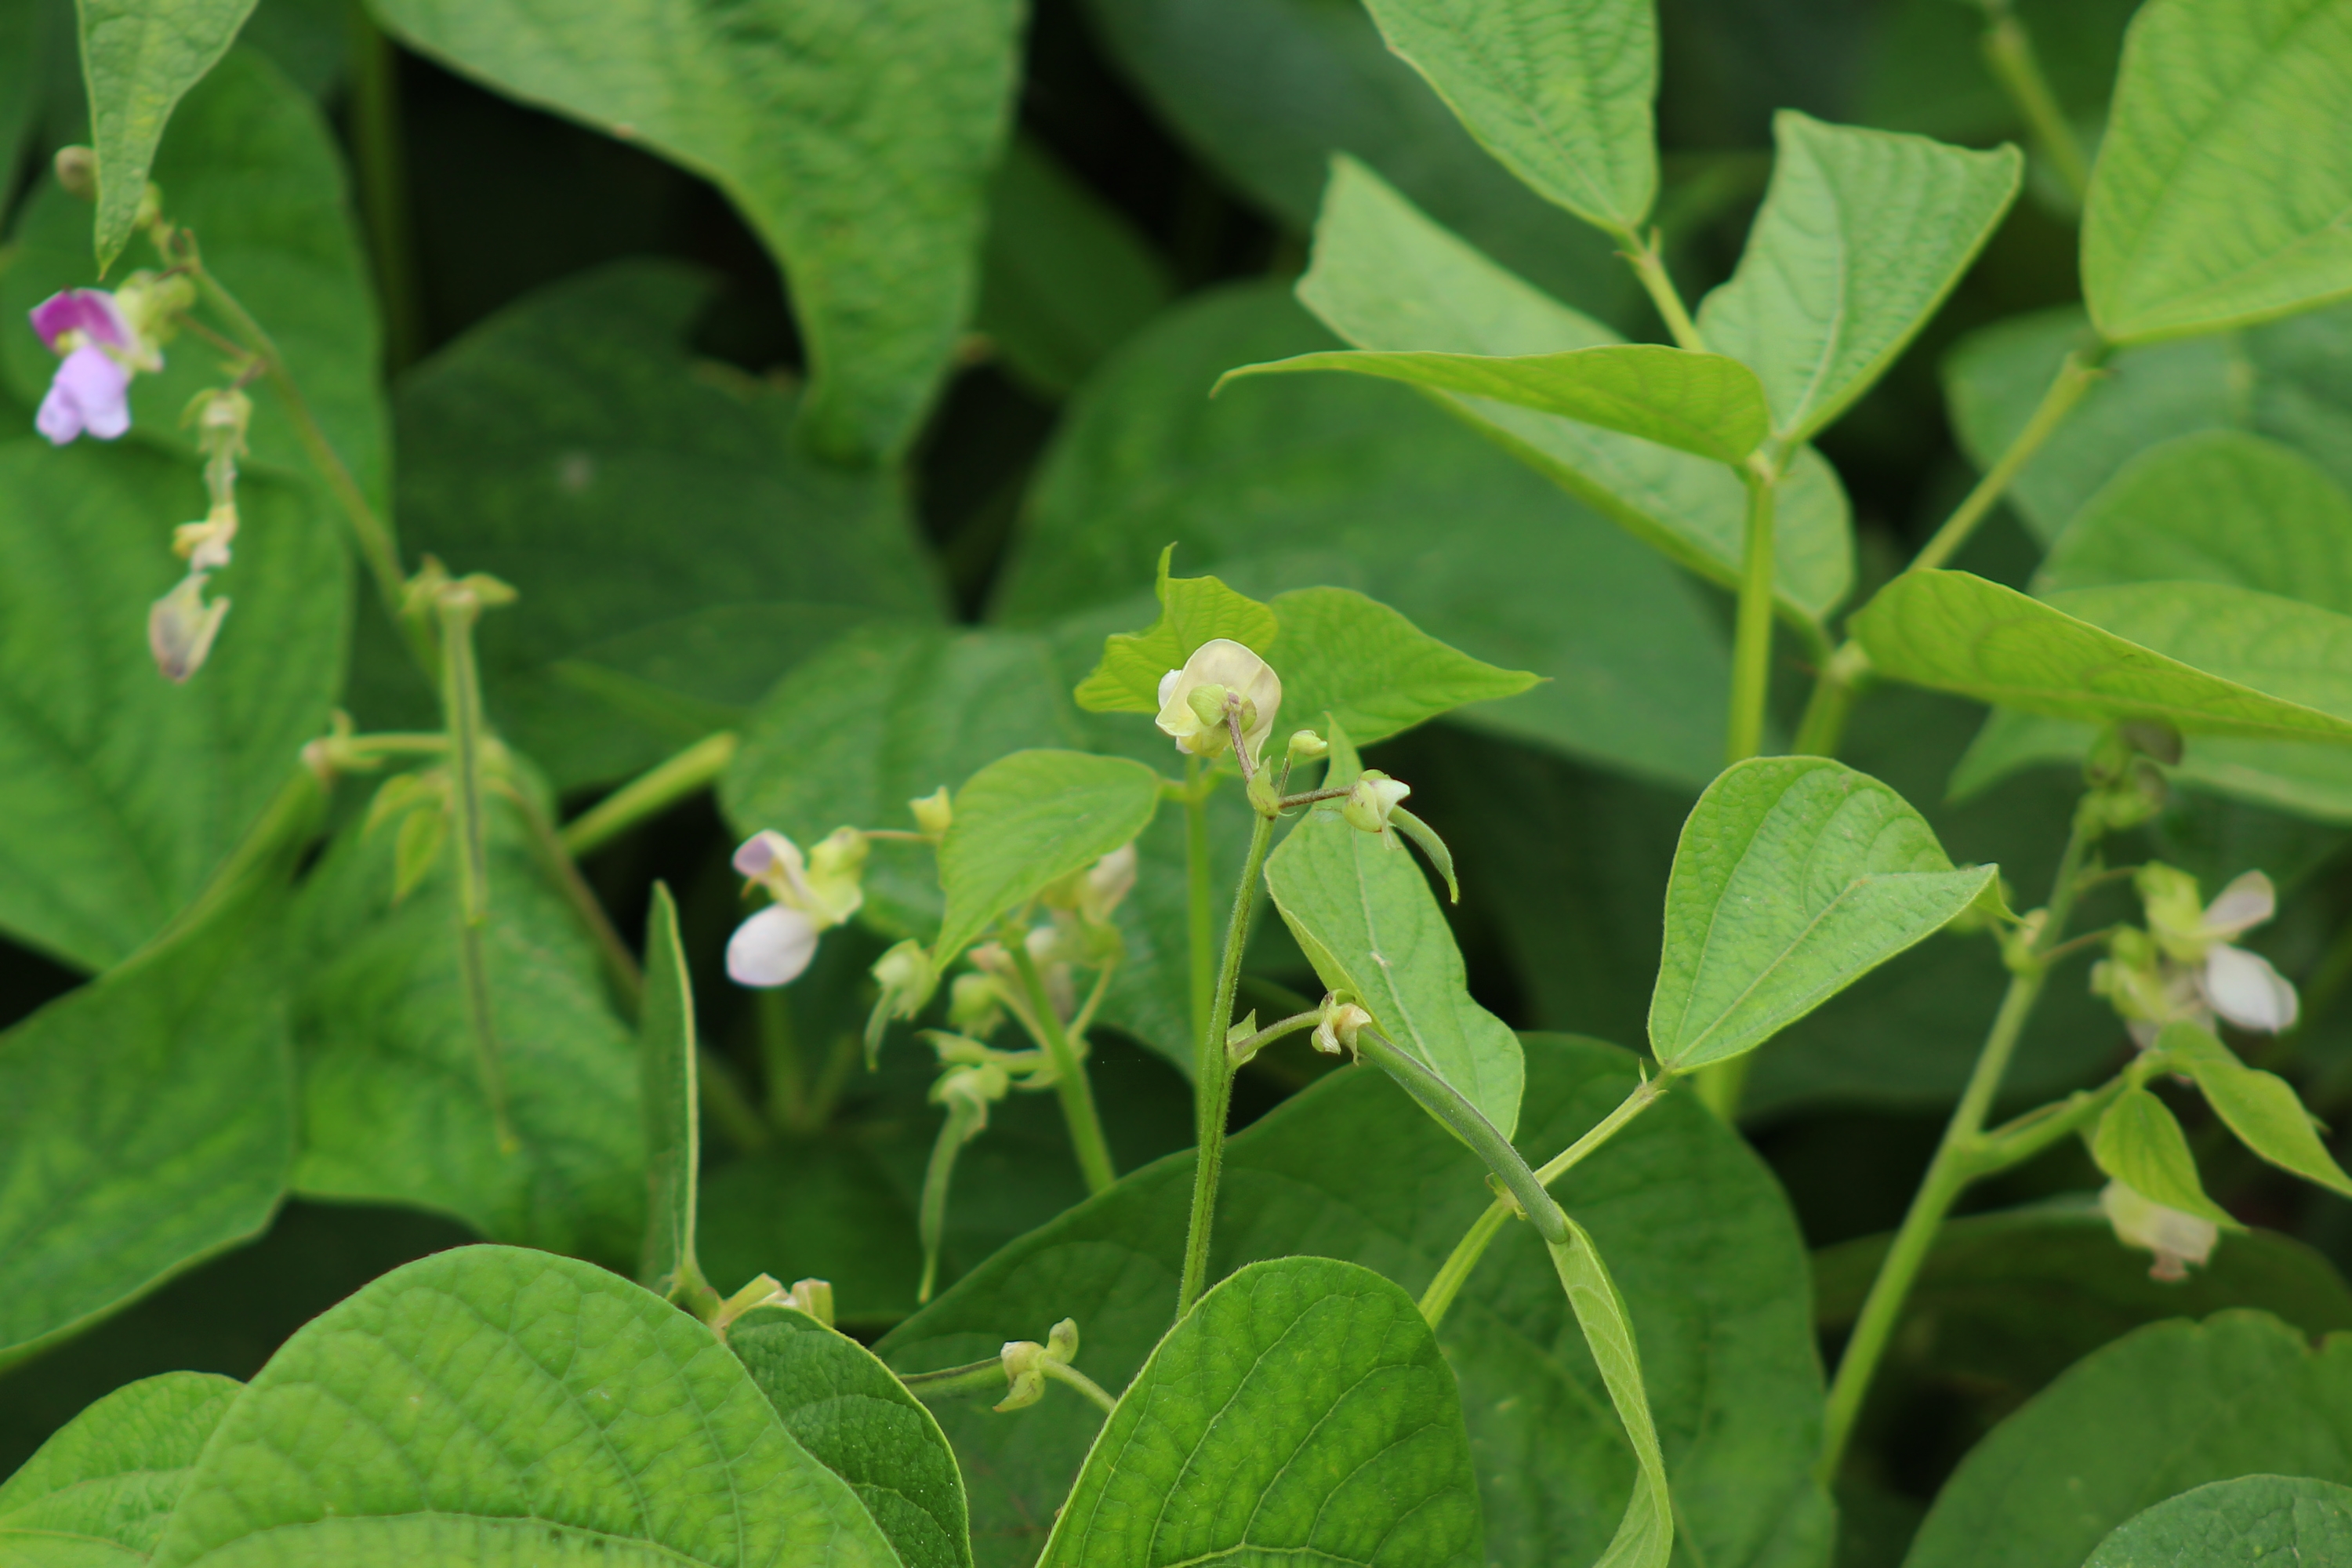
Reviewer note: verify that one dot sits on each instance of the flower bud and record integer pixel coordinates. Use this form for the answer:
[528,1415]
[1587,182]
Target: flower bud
[814,1296]
[2176,914]
[77,172]
[1374,796]
[975,1005]
[1305,744]
[934,813]
[836,870]
[1336,1031]
[2177,1238]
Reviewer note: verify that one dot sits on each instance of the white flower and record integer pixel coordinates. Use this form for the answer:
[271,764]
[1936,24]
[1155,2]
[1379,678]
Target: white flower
[2205,976]
[1369,804]
[1193,700]
[811,893]
[2176,1238]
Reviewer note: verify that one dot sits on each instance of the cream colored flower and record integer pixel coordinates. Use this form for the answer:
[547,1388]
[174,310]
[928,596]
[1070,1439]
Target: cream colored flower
[2177,1239]
[1195,700]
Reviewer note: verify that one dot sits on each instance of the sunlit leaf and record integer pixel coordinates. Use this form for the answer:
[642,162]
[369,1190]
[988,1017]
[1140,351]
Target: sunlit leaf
[100,1491]
[1372,670]
[1028,820]
[1193,611]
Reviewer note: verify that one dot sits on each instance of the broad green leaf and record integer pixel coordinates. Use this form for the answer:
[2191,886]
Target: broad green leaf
[2253,1519]
[1702,403]
[2204,658]
[1384,277]
[2219,506]
[1267,90]
[2139,1144]
[1794,878]
[253,170]
[489,1404]
[2008,1301]
[1645,1536]
[138,62]
[1371,925]
[2176,238]
[1562,97]
[1696,1232]
[122,792]
[536,447]
[1064,276]
[856,1418]
[2172,1406]
[856,140]
[1861,236]
[2261,1108]
[1375,672]
[101,1491]
[1301,1409]
[877,718]
[1328,480]
[1028,820]
[1193,611]
[392,1105]
[672,1095]
[150,1117]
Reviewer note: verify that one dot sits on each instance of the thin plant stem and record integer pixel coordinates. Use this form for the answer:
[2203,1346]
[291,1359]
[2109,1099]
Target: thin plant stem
[461,704]
[1240,1050]
[965,1116]
[1071,1377]
[1071,1085]
[650,794]
[1751,644]
[1456,1271]
[622,970]
[1839,681]
[955,1382]
[1955,1164]
[1200,910]
[1467,1122]
[780,1056]
[1212,1073]
[1650,266]
[381,162]
[2008,53]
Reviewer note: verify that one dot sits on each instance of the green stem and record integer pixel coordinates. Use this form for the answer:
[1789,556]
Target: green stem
[724,1101]
[1071,1085]
[1456,1271]
[964,1119]
[1240,1050]
[1650,266]
[1200,913]
[955,1382]
[621,967]
[1955,1163]
[650,794]
[1839,682]
[382,164]
[2008,52]
[1751,643]
[1467,1122]
[461,706]
[780,1055]
[285,826]
[1212,1073]
[1071,1377]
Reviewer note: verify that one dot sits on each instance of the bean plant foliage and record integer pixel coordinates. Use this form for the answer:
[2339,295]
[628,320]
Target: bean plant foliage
[1143,783]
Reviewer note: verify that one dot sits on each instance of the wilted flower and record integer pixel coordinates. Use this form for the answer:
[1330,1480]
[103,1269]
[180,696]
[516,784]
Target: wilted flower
[1195,700]
[102,339]
[1337,1030]
[1095,892]
[811,893]
[2177,1238]
[181,627]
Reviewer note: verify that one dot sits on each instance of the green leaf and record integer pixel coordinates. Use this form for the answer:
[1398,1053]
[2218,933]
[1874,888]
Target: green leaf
[2261,1108]
[2252,1519]
[666,1083]
[1193,611]
[856,142]
[252,168]
[1301,1409]
[1861,236]
[393,1106]
[2139,1144]
[1384,277]
[151,1121]
[101,1491]
[1563,100]
[1267,90]
[1375,672]
[1645,1536]
[105,841]
[2203,658]
[536,447]
[489,1404]
[1363,912]
[2176,239]
[138,63]
[1696,1232]
[2170,1408]
[1330,479]
[1794,878]
[882,716]
[1702,403]
[1028,820]
[1064,278]
[856,1418]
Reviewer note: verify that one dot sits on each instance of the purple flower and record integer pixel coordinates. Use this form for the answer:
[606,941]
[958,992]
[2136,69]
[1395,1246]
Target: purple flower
[90,391]
[91,312]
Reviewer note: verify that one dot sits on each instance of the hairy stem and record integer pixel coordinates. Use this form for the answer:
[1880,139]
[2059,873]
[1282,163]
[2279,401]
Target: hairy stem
[1957,1160]
[2008,53]
[1071,1085]
[1212,1073]
[650,794]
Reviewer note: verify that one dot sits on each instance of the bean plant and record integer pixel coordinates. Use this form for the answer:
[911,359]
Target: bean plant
[1092,1018]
